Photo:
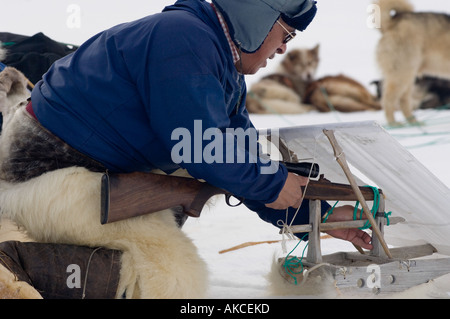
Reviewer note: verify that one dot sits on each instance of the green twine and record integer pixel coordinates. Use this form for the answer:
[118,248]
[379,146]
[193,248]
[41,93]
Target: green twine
[374,210]
[376,203]
[328,214]
[292,263]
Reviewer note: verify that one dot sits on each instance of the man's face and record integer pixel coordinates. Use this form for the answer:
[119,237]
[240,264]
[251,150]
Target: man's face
[273,44]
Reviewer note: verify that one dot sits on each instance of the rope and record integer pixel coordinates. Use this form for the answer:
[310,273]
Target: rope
[87,272]
[374,210]
[376,204]
[329,212]
[286,228]
[292,263]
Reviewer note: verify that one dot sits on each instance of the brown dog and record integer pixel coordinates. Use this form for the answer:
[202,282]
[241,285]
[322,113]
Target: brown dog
[340,93]
[282,92]
[294,89]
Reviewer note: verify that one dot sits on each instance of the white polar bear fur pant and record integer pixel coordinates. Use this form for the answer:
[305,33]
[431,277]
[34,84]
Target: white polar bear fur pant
[63,206]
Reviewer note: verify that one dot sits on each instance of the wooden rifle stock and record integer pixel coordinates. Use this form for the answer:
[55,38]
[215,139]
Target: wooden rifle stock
[134,194]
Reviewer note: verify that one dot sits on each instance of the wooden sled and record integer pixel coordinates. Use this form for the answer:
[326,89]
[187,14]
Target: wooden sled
[379,271]
[367,272]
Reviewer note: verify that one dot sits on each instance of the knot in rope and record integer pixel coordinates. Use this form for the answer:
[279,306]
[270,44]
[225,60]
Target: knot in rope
[286,234]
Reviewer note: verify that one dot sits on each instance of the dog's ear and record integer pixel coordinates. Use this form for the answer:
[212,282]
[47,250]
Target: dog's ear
[12,83]
[316,48]
[290,59]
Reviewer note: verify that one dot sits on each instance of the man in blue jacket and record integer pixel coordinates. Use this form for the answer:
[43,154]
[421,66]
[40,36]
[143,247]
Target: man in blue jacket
[143,95]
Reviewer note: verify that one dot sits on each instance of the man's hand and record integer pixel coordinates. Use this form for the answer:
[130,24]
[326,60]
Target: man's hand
[353,235]
[291,195]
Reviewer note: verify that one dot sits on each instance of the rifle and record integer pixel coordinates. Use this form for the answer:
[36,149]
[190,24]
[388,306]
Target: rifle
[129,195]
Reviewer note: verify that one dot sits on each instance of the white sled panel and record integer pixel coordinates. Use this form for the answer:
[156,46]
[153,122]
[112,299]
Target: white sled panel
[377,159]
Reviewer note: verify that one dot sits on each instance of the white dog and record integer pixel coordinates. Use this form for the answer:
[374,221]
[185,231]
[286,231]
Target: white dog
[413,44]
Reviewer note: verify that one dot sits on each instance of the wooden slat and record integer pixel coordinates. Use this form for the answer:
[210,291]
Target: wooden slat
[326,190]
[341,225]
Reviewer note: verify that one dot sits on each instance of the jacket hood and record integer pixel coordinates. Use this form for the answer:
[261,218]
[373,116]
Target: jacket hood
[250,21]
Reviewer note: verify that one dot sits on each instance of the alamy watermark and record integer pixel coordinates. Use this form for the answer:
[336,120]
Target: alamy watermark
[374,18]
[211,145]
[73,20]
[74,279]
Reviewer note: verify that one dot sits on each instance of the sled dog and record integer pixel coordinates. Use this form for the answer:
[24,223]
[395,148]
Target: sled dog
[282,91]
[340,93]
[413,44]
[294,89]
[429,92]
[301,64]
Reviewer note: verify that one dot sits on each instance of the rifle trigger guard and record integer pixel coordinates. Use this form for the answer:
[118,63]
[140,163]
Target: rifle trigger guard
[227,200]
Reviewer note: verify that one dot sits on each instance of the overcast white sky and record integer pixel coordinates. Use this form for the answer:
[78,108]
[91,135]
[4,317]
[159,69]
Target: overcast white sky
[347,42]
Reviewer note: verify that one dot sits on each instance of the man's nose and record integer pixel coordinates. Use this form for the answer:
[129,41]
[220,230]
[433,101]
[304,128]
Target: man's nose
[282,49]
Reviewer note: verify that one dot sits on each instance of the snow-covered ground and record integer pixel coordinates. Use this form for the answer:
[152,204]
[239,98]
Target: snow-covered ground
[243,273]
[347,39]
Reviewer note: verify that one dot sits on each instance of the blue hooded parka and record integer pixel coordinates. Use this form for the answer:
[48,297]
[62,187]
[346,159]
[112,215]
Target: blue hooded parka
[121,96]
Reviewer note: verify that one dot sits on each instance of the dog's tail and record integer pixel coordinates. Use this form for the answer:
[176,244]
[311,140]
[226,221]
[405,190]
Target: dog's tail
[388,10]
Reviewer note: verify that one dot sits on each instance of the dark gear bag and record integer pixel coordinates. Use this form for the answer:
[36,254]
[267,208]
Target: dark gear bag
[33,55]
